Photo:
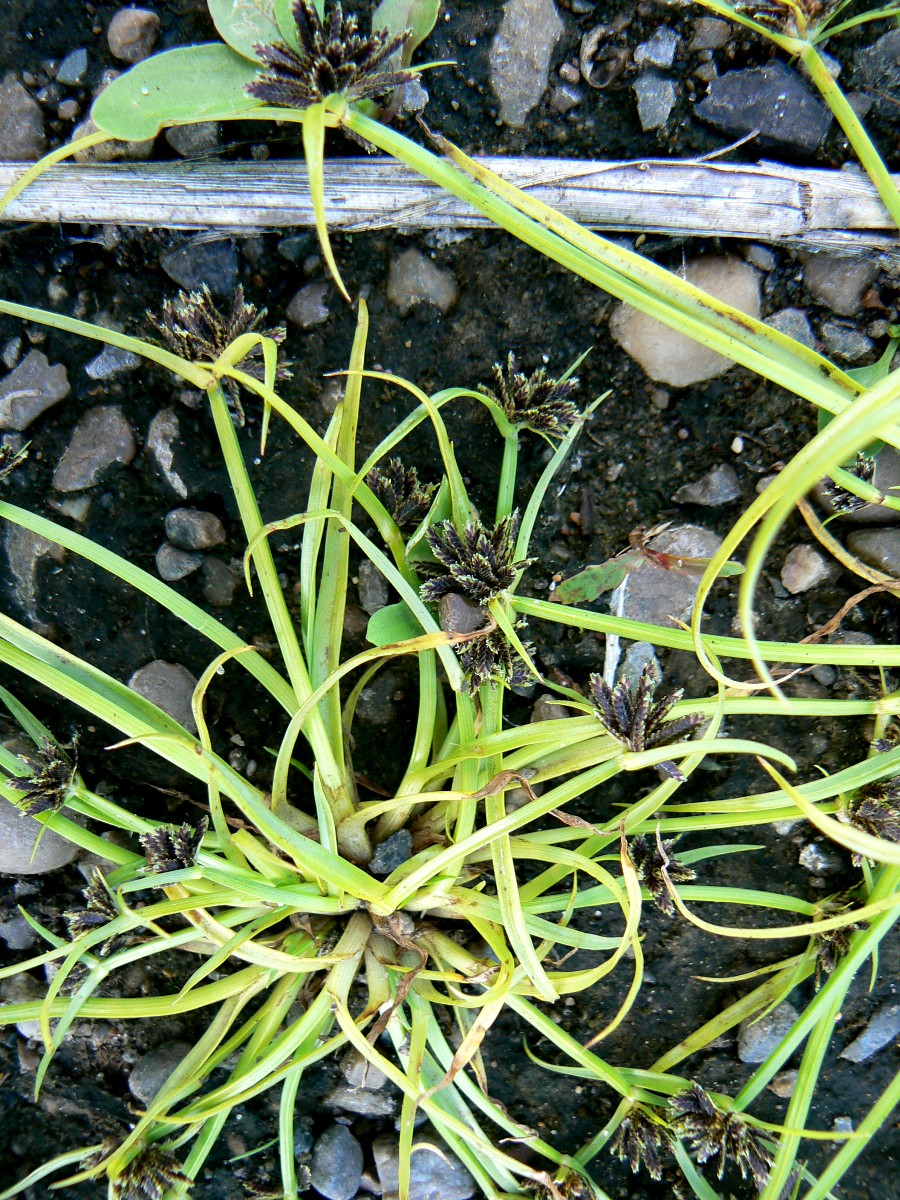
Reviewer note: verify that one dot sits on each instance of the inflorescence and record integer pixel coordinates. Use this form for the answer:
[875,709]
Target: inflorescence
[654,863]
[47,788]
[534,401]
[172,847]
[399,490]
[718,1136]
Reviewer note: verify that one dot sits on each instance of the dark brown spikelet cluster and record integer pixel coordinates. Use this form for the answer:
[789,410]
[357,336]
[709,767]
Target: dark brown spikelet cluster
[50,782]
[334,59]
[149,1176]
[491,659]
[793,17]
[478,564]
[195,329]
[10,459]
[172,847]
[719,1137]
[99,909]
[634,718]
[399,490]
[653,861]
[889,740]
[639,1140]
[875,809]
[535,401]
[840,499]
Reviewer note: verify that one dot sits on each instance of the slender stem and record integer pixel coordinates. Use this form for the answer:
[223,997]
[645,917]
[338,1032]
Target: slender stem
[506,490]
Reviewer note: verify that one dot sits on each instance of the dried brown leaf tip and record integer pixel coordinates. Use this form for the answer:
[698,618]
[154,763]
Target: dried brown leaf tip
[840,499]
[719,1137]
[653,862]
[399,490]
[172,847]
[478,563]
[874,809]
[50,782]
[633,717]
[639,1140]
[334,58]
[149,1176]
[196,330]
[535,401]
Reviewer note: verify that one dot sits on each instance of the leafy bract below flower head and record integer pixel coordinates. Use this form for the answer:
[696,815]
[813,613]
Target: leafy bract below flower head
[334,59]
[198,331]
[719,1136]
[533,401]
[478,563]
[634,718]
[399,490]
[46,789]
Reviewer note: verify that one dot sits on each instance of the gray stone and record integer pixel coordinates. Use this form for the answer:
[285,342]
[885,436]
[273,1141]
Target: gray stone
[18,839]
[20,989]
[24,551]
[795,323]
[758,1038]
[11,352]
[112,361]
[671,357]
[761,256]
[132,34]
[152,1069]
[73,67]
[309,306]
[887,480]
[635,660]
[804,568]
[546,708]
[520,56]
[213,263]
[716,487]
[162,437]
[362,1101]
[414,97]
[661,596]
[435,1172]
[656,96]
[169,686]
[784,1083]
[194,529]
[108,152]
[459,614]
[819,858]
[391,853]
[658,50]
[17,933]
[773,101]
[32,388]
[880,1032]
[878,71]
[564,98]
[376,704]
[710,33]
[839,282]
[372,587]
[220,582]
[360,1073]
[174,564]
[194,141]
[414,279]
[295,247]
[21,123]
[101,438]
[880,548]
[337,1163]
[846,341]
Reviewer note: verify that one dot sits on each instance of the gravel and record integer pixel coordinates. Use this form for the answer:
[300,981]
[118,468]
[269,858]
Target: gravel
[520,56]
[772,101]
[717,487]
[152,1070]
[169,686]
[337,1163]
[198,262]
[22,136]
[30,389]
[132,34]
[101,439]
[757,1039]
[194,529]
[413,279]
[435,1172]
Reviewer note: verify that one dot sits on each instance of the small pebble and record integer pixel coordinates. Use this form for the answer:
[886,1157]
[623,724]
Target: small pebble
[883,1029]
[757,1039]
[73,67]
[162,439]
[174,564]
[372,587]
[22,137]
[195,141]
[805,568]
[101,439]
[152,1069]
[520,56]
[435,1172]
[309,306]
[414,279]
[879,548]
[111,362]
[819,858]
[391,853]
[656,96]
[360,1073]
[845,341]
[717,487]
[220,581]
[840,282]
[132,34]
[658,50]
[194,529]
[30,389]
[795,323]
[169,686]
[337,1163]
[19,835]
[784,1083]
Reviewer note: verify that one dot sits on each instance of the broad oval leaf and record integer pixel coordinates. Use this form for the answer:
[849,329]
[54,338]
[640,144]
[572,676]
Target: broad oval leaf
[192,83]
[397,15]
[394,623]
[246,23]
[284,16]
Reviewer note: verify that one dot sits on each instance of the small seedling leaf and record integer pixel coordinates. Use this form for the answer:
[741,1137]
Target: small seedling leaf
[164,90]
[395,623]
[592,582]
[244,24]
[398,15]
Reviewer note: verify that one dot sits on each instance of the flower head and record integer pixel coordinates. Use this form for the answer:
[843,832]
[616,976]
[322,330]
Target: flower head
[874,809]
[399,490]
[198,331]
[334,59]
[840,499]
[99,910]
[635,719]
[51,779]
[533,401]
[491,659]
[653,862]
[719,1136]
[479,563]
[172,847]
[149,1176]
[639,1139]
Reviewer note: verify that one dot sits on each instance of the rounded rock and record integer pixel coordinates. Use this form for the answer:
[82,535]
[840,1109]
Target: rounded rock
[880,548]
[132,34]
[337,1164]
[20,851]
[174,564]
[194,529]
[152,1070]
[758,1038]
[805,568]
[169,686]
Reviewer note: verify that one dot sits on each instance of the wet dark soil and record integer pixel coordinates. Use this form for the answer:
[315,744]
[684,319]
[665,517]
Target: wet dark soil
[643,443]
